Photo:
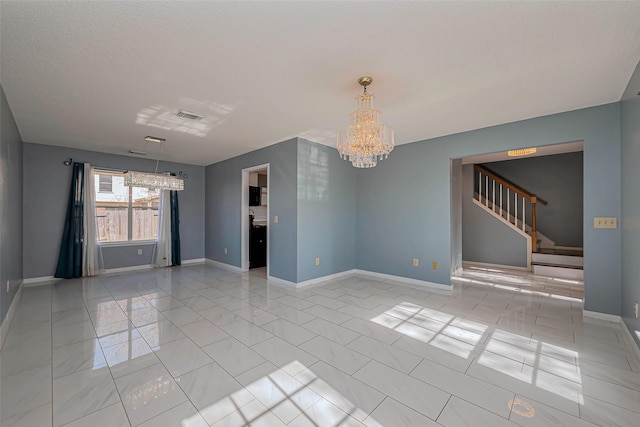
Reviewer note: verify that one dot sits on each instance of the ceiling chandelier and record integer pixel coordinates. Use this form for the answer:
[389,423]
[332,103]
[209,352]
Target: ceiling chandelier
[155,180]
[366,139]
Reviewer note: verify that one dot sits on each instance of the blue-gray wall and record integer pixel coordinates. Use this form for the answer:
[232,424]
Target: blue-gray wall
[224,208]
[326,211]
[484,237]
[311,190]
[558,180]
[404,204]
[630,129]
[401,208]
[46,189]
[10,206]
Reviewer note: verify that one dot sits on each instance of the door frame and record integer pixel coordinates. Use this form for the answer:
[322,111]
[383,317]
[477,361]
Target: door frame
[244,212]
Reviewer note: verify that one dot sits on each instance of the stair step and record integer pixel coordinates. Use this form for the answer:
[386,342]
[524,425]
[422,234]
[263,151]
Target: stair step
[546,264]
[569,260]
[564,272]
[562,251]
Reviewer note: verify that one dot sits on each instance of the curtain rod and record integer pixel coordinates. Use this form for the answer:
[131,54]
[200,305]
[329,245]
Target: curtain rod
[69,162]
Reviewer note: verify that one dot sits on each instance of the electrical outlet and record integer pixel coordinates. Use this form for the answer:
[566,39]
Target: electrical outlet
[275,219]
[416,262]
[317,261]
[434,265]
[636,310]
[139,251]
[226,251]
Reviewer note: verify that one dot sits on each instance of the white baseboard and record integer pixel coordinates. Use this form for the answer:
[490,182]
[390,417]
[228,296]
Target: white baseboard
[127,269]
[193,261]
[223,266]
[435,286]
[489,265]
[432,285]
[38,281]
[632,342]
[602,316]
[279,281]
[4,328]
[46,280]
[333,276]
[310,282]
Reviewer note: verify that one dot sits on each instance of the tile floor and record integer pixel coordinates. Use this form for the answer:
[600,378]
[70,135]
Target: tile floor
[199,346]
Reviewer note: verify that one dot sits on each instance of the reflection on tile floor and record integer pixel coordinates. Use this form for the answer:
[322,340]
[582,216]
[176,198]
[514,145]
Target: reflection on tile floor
[199,346]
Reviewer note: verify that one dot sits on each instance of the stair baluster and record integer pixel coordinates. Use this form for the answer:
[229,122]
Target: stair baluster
[524,211]
[534,233]
[509,188]
[486,190]
[493,196]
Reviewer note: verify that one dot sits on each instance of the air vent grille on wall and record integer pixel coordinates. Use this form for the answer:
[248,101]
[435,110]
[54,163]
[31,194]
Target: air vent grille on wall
[189,115]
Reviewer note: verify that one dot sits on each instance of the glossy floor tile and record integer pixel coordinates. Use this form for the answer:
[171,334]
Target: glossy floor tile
[199,346]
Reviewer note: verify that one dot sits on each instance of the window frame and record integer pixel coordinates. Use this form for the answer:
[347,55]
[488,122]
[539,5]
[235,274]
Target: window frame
[130,207]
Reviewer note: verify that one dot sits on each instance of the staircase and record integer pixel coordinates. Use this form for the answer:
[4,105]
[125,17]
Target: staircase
[542,241]
[509,203]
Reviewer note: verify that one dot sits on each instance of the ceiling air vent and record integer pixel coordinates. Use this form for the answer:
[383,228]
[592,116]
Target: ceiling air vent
[155,139]
[189,115]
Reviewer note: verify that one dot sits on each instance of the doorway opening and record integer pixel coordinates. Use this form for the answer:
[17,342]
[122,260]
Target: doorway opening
[498,233]
[255,220]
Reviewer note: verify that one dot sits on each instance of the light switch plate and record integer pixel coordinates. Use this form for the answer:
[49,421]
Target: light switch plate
[605,222]
[275,219]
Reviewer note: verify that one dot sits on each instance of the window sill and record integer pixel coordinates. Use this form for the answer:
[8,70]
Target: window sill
[128,243]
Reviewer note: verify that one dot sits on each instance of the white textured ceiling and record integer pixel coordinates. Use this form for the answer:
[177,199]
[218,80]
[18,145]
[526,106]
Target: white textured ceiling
[102,75]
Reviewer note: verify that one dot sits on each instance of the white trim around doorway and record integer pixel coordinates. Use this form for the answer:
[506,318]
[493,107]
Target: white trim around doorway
[244,220]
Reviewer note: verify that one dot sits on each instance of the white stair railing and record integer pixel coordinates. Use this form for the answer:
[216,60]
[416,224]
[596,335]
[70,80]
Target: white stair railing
[506,191]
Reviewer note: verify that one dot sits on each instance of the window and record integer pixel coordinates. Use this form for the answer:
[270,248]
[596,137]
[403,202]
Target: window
[105,183]
[124,213]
